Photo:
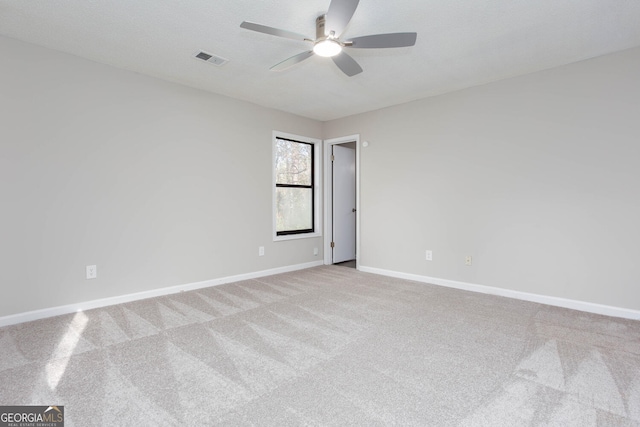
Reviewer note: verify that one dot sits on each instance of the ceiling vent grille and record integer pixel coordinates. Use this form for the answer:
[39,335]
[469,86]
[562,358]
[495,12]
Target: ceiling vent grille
[211,59]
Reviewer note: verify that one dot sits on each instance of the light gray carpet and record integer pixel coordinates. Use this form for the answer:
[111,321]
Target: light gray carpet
[327,346]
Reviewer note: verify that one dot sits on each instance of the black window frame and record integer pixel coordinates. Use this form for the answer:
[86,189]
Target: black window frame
[312,187]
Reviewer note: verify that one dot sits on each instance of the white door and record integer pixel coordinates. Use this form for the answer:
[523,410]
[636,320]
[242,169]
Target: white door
[344,203]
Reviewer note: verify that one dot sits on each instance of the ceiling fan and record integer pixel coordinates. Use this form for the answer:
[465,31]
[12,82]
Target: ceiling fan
[327,43]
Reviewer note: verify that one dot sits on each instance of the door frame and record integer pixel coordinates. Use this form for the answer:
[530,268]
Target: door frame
[328,195]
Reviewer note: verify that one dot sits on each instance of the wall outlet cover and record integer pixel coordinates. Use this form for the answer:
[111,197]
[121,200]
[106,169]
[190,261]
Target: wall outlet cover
[92,271]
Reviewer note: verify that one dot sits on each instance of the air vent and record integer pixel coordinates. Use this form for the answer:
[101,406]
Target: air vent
[211,59]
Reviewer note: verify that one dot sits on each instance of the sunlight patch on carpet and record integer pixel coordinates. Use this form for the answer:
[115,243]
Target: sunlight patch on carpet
[60,358]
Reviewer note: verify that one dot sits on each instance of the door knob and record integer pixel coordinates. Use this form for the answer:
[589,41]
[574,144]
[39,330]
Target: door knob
[353,210]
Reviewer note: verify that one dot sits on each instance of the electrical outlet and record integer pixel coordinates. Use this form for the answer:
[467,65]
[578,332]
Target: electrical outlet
[429,256]
[261,251]
[315,251]
[92,272]
[467,260]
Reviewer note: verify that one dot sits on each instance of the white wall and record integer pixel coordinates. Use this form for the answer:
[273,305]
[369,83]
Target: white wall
[536,177]
[157,184]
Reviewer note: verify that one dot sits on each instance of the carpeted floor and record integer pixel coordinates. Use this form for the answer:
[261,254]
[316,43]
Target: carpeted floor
[327,346]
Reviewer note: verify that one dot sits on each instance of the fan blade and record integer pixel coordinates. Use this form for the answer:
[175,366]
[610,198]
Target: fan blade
[383,40]
[273,31]
[347,64]
[291,61]
[339,15]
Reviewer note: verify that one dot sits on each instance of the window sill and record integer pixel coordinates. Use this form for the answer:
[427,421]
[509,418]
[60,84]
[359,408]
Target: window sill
[296,236]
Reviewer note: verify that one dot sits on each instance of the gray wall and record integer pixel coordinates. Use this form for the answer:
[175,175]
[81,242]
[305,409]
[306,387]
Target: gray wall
[536,177]
[157,184]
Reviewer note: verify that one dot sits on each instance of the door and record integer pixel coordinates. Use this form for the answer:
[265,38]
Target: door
[344,203]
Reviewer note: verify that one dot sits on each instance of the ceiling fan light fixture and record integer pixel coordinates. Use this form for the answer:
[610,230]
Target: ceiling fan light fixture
[327,48]
[327,43]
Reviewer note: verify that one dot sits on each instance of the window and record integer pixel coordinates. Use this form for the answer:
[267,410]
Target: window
[296,192]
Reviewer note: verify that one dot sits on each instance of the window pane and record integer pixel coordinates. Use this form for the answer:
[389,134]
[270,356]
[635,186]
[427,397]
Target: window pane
[294,209]
[293,162]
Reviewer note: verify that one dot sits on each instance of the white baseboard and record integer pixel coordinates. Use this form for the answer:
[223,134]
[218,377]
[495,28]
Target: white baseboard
[88,305]
[590,307]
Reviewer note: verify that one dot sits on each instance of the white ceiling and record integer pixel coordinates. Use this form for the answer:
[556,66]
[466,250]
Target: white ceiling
[461,43]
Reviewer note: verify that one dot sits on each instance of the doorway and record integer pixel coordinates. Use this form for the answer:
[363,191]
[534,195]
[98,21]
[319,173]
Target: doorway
[342,219]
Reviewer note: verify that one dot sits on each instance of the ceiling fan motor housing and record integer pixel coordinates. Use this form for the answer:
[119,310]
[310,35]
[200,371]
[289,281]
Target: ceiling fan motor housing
[320,35]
